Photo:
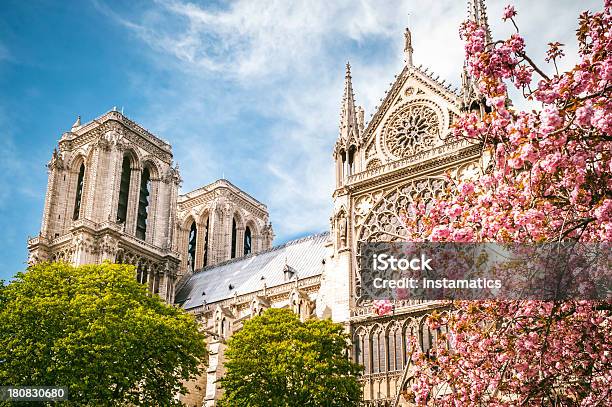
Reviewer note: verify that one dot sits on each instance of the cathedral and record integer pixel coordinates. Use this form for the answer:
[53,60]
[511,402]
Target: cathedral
[113,194]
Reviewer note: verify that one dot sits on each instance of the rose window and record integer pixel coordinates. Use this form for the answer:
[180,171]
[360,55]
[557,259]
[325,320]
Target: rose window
[411,130]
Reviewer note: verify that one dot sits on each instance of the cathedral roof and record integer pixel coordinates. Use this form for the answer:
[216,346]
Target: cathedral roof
[249,274]
[220,183]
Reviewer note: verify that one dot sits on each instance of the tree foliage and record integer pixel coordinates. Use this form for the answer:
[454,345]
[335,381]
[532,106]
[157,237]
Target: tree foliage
[550,179]
[277,360]
[95,330]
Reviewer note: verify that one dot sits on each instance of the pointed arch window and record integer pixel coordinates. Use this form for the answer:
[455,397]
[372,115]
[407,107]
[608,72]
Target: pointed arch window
[399,341]
[124,190]
[247,241]
[375,353]
[234,235]
[426,337]
[143,204]
[358,343]
[366,356]
[191,248]
[79,193]
[206,244]
[351,161]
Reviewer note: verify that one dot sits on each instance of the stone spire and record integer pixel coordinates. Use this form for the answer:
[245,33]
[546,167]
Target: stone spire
[408,47]
[477,12]
[77,124]
[472,97]
[348,114]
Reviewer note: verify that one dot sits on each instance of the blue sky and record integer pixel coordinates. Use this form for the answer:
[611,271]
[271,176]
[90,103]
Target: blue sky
[247,89]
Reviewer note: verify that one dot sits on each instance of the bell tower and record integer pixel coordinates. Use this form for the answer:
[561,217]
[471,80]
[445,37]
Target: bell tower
[111,195]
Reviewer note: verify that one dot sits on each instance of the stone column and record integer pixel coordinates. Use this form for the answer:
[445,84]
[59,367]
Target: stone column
[114,180]
[240,241]
[134,195]
[50,199]
[152,211]
[88,198]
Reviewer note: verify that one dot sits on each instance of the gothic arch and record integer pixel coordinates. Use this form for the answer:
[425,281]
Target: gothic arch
[153,166]
[255,238]
[76,161]
[378,352]
[382,222]
[252,224]
[133,156]
[239,218]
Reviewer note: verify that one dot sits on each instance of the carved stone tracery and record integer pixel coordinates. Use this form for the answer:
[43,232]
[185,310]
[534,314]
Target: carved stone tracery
[381,221]
[414,128]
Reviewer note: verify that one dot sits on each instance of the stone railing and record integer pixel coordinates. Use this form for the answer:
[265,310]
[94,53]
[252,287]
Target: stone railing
[412,160]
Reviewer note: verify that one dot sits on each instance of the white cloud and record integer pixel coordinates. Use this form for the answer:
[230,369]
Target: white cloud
[284,62]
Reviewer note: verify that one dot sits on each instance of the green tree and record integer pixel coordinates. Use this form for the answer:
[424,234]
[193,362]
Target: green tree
[95,330]
[277,360]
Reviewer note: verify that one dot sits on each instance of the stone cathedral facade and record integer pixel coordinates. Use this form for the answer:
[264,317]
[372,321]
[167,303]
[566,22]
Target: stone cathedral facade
[113,195]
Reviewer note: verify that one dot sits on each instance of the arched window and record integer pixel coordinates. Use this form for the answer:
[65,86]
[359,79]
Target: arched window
[358,350]
[409,333]
[124,190]
[191,249]
[390,360]
[377,361]
[224,327]
[398,349]
[366,356]
[234,238]
[247,241]
[426,336]
[206,244]
[351,161]
[79,193]
[143,204]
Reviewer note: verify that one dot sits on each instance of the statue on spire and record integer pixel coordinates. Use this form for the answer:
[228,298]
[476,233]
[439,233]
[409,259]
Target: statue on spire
[408,47]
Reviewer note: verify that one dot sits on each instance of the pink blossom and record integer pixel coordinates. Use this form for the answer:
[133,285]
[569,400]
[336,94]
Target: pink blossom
[509,12]
[455,211]
[439,233]
[382,307]
[584,114]
[551,119]
[604,211]
[548,178]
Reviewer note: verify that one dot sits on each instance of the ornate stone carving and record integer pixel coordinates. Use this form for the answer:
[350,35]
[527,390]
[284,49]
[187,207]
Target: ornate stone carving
[373,164]
[383,224]
[342,226]
[57,162]
[172,174]
[414,128]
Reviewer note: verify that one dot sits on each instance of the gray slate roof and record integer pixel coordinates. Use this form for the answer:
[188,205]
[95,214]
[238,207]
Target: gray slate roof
[245,274]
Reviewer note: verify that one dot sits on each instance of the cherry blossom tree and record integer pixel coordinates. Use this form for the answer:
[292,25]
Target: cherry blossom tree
[549,179]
